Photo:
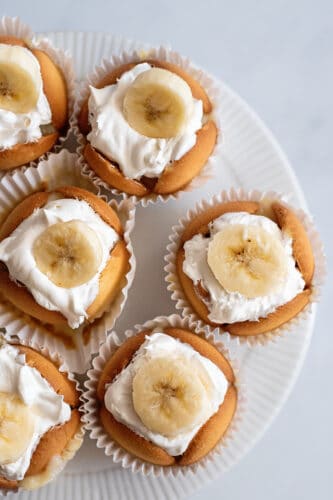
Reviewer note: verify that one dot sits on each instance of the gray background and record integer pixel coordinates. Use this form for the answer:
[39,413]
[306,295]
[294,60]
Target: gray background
[278,56]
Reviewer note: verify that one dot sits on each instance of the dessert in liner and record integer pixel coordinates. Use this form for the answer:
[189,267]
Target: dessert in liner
[148,126]
[165,396]
[105,292]
[245,263]
[41,425]
[74,267]
[36,95]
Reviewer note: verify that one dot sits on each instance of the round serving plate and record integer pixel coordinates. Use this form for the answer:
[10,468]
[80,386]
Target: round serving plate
[250,159]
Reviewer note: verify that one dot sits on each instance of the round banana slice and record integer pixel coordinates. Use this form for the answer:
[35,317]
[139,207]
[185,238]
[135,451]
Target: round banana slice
[248,260]
[20,79]
[69,253]
[170,396]
[16,428]
[158,103]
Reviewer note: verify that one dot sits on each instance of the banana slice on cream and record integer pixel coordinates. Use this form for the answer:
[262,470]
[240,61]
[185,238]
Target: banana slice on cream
[16,428]
[20,79]
[170,395]
[247,260]
[69,253]
[158,104]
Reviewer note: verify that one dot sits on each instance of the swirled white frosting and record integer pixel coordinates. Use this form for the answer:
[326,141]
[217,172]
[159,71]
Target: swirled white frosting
[20,128]
[136,154]
[48,408]
[118,396]
[16,251]
[230,307]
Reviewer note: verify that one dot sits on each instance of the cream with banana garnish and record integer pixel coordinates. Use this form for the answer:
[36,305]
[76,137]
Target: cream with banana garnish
[23,104]
[246,265]
[144,121]
[58,253]
[29,407]
[167,392]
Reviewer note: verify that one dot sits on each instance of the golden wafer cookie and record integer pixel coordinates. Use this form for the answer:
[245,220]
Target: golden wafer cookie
[199,225]
[13,40]
[133,443]
[6,484]
[21,154]
[53,443]
[23,210]
[207,437]
[55,88]
[274,320]
[111,173]
[57,379]
[22,299]
[182,171]
[289,222]
[111,280]
[97,204]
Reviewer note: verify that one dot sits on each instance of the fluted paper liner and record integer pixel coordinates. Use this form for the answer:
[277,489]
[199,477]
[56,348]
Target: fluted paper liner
[209,83]
[111,448]
[59,169]
[177,293]
[13,26]
[58,462]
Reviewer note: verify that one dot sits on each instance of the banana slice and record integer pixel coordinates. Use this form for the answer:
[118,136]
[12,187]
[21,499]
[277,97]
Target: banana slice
[248,260]
[20,79]
[158,103]
[16,428]
[170,396]
[69,253]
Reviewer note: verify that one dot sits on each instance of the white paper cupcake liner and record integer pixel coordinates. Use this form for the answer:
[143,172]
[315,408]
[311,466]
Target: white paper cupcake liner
[59,169]
[208,82]
[13,26]
[111,448]
[58,463]
[177,293]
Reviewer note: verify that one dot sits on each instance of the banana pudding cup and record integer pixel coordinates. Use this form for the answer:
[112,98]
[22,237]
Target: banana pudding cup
[40,423]
[165,395]
[36,95]
[74,256]
[63,257]
[148,124]
[243,265]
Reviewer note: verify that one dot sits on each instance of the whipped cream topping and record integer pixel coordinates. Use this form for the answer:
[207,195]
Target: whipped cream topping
[118,396]
[16,252]
[230,307]
[20,128]
[49,408]
[136,154]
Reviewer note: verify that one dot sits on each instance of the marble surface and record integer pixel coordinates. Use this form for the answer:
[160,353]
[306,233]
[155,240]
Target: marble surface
[278,56]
